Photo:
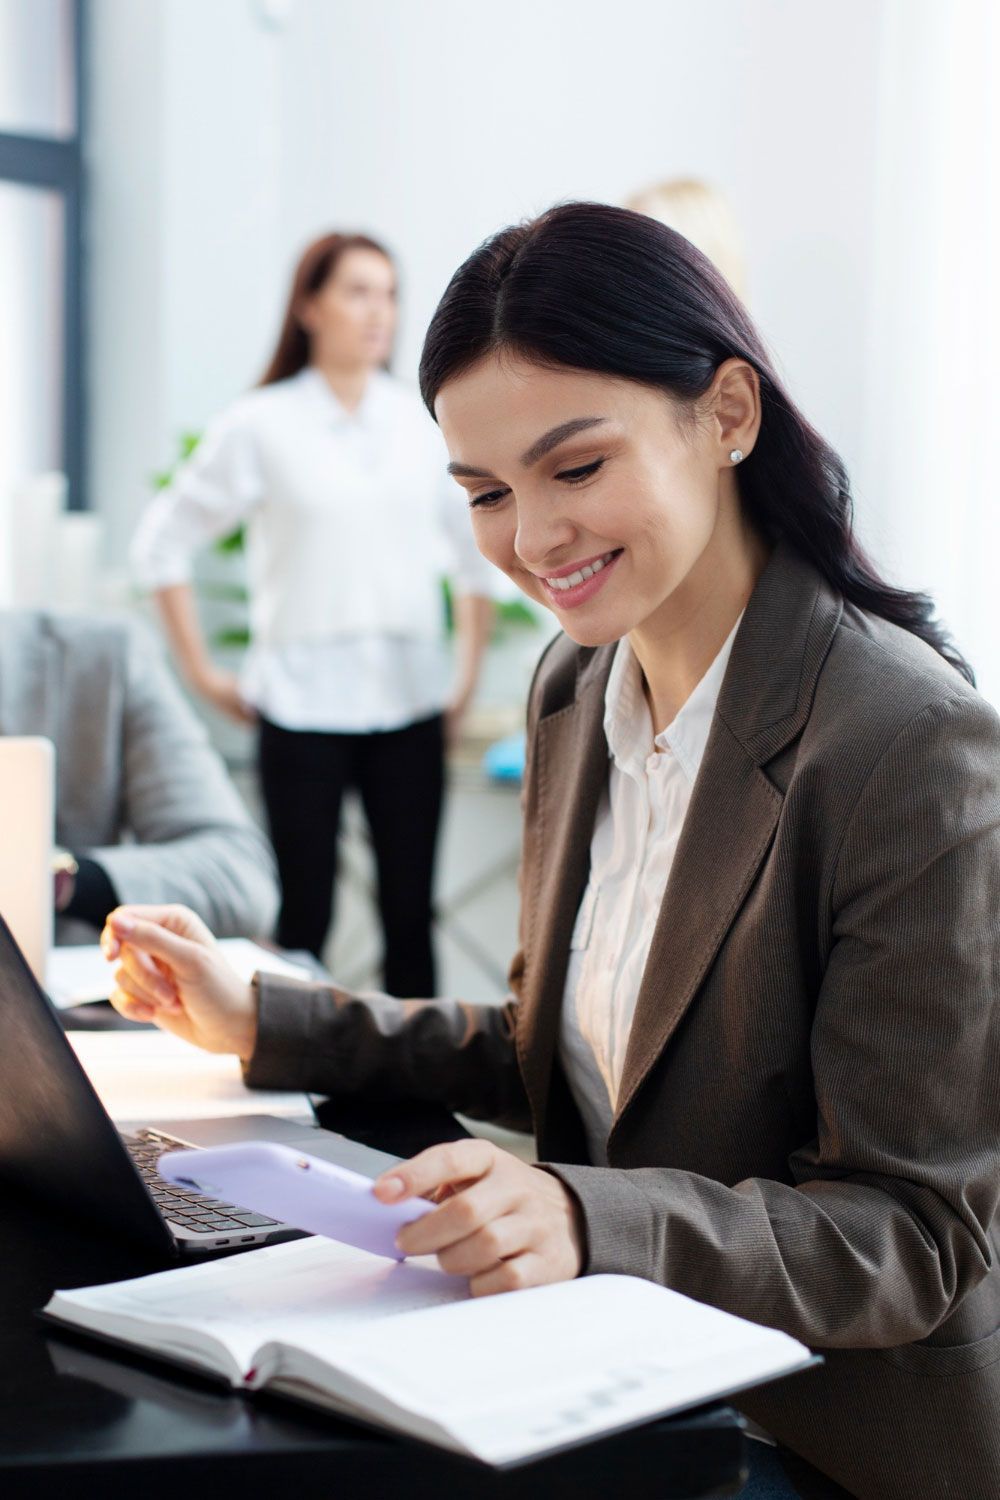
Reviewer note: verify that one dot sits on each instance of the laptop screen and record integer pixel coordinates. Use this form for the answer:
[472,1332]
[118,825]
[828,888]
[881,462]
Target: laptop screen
[56,1140]
[27,817]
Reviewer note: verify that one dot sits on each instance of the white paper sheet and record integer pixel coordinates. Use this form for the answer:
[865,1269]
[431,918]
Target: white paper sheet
[151,1075]
[79,975]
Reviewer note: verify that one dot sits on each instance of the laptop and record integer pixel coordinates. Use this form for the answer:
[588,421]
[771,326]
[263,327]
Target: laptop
[27,817]
[59,1144]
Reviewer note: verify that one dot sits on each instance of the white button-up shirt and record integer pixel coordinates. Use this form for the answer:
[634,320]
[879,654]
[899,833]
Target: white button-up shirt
[352,522]
[635,837]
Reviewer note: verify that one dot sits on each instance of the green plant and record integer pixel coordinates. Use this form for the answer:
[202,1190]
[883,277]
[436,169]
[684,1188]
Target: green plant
[186,445]
[510,614]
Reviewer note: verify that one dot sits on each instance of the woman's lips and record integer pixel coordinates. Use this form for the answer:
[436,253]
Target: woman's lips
[566,591]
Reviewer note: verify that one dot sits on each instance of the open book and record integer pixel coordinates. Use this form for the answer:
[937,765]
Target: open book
[502,1378]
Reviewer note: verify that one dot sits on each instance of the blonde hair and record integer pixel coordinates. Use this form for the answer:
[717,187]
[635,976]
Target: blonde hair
[702,215]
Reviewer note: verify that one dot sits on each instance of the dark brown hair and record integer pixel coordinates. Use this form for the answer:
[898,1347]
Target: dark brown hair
[597,288]
[316,264]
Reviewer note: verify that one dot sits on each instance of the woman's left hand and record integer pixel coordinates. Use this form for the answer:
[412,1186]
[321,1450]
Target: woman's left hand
[454,719]
[502,1223]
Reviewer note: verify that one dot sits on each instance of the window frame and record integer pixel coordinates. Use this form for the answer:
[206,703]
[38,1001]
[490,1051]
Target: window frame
[56,165]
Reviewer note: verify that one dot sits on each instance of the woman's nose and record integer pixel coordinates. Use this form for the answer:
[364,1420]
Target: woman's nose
[540,535]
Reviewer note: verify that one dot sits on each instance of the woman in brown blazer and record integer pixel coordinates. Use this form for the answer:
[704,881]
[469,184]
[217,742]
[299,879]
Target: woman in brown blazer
[754,1020]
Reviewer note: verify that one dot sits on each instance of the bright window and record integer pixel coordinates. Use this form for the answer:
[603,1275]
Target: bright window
[41,350]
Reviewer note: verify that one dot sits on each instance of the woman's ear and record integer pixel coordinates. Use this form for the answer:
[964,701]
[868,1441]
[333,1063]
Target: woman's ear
[734,399]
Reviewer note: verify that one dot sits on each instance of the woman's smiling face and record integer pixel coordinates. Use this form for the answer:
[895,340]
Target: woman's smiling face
[596,495]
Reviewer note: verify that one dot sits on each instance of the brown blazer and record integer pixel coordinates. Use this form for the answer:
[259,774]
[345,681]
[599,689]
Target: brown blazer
[808,1130]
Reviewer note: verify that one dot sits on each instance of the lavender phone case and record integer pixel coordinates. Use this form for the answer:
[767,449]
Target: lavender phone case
[296,1189]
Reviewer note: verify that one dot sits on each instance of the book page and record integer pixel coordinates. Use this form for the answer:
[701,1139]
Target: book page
[526,1372]
[274,1295]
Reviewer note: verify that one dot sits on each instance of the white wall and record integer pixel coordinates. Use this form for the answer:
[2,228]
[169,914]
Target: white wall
[930,445]
[460,122]
[220,146]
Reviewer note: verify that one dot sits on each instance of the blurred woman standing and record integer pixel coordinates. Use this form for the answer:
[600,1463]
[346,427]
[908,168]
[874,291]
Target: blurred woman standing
[339,476]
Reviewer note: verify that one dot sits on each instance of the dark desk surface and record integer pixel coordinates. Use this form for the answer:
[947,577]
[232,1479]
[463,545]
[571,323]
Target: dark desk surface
[79,1420]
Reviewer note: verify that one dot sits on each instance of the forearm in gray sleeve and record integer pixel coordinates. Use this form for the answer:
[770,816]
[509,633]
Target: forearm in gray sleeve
[225,873]
[329,1041]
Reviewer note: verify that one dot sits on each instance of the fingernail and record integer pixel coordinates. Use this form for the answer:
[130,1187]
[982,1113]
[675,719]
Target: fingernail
[121,923]
[392,1187]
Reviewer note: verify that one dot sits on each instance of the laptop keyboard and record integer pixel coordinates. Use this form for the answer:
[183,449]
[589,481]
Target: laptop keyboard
[193,1211]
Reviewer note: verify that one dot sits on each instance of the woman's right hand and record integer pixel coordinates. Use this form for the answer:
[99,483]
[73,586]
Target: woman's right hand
[222,690]
[171,971]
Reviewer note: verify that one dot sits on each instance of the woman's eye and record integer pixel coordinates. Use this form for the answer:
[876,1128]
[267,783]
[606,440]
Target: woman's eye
[576,476]
[492,498]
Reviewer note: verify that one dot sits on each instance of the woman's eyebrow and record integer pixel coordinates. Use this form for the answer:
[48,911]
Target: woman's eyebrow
[537,451]
[557,435]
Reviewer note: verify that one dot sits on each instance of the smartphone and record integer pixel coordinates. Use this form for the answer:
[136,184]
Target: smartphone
[295,1189]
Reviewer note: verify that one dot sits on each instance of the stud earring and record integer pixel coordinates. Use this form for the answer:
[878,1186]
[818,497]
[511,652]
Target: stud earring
[736,455]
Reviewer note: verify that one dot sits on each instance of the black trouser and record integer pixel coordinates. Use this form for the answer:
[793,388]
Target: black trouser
[400,777]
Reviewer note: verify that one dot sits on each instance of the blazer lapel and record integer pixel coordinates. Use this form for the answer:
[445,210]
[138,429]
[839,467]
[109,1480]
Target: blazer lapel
[765,700]
[570,772]
[728,829]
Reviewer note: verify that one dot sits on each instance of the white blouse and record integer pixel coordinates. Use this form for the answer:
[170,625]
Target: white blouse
[352,523]
[632,850]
